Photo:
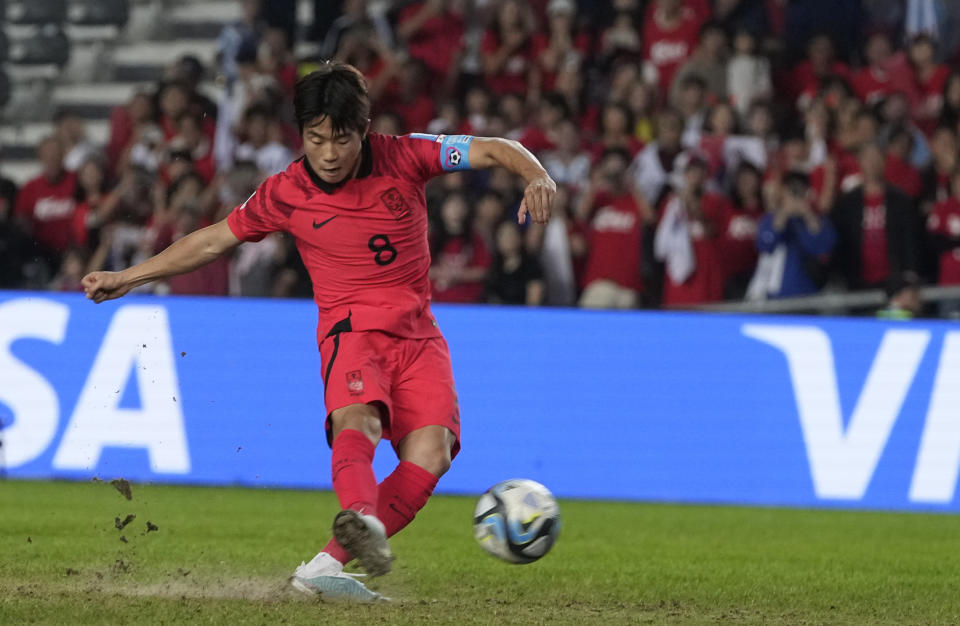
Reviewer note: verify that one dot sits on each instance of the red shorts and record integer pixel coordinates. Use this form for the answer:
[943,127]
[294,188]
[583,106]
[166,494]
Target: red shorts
[411,380]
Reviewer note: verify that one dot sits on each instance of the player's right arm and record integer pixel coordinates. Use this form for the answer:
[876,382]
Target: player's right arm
[182,256]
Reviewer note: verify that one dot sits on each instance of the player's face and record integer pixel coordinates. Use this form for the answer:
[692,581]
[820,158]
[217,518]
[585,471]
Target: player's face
[334,157]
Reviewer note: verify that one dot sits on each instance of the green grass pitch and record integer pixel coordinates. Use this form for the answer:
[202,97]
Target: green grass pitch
[223,555]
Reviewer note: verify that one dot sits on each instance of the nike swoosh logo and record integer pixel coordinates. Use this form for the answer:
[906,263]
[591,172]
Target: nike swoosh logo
[323,223]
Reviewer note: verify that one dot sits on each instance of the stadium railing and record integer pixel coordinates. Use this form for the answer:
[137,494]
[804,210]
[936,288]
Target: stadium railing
[829,303]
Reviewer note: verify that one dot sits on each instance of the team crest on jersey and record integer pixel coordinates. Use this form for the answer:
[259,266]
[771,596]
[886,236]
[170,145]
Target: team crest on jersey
[393,200]
[452,157]
[355,382]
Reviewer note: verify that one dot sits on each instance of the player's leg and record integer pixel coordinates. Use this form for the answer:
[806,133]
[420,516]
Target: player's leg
[425,456]
[356,430]
[424,429]
[355,390]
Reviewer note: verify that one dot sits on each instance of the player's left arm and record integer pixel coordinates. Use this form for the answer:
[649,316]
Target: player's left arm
[487,152]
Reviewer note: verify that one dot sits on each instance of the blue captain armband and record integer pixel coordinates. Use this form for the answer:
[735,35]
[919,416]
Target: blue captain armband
[454,150]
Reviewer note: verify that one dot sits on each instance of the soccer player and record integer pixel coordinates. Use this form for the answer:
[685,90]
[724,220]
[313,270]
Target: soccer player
[355,205]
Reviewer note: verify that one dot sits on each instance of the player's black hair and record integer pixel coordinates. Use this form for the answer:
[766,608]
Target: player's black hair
[337,91]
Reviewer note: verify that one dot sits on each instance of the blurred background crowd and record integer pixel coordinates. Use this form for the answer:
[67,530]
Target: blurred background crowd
[704,150]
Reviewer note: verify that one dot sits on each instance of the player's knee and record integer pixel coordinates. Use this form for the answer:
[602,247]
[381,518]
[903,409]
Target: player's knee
[440,463]
[435,459]
[365,419]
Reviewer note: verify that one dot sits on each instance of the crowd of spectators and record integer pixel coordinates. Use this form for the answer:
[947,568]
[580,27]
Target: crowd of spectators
[703,150]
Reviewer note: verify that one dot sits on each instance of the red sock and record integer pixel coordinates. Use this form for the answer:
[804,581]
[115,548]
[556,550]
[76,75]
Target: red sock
[353,479]
[401,496]
[335,550]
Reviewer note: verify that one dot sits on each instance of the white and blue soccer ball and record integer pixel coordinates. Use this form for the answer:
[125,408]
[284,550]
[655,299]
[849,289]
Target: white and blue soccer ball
[517,520]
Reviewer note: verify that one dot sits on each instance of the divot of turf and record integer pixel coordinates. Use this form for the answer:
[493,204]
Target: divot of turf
[123,486]
[121,524]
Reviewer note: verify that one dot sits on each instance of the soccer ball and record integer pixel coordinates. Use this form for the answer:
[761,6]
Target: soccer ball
[517,520]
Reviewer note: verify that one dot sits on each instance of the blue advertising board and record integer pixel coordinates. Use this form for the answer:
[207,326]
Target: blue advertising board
[625,405]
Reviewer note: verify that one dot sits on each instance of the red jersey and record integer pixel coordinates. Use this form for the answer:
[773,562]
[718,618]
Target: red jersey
[437,41]
[848,175]
[512,77]
[668,49]
[904,175]
[945,220]
[928,98]
[805,82]
[364,241]
[737,245]
[49,208]
[616,240]
[706,282]
[416,113]
[875,264]
[872,85]
[462,252]
[541,43]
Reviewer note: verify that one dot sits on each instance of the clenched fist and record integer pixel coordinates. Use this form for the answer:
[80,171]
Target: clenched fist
[102,286]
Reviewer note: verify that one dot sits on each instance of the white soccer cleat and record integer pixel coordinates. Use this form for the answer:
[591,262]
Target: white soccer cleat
[324,577]
[364,537]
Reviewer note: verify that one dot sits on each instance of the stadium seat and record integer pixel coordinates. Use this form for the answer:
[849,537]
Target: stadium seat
[99,12]
[48,45]
[36,11]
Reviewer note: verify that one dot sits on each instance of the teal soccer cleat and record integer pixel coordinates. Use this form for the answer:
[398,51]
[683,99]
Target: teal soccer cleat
[325,577]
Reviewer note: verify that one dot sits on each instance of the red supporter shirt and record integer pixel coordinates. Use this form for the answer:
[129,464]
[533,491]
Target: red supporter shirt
[945,220]
[49,208]
[847,175]
[738,240]
[536,140]
[905,176]
[463,253]
[805,82]
[632,145]
[363,242]
[875,264]
[706,282]
[437,41]
[928,94]
[541,43]
[416,114]
[668,49]
[872,85]
[512,77]
[616,240]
